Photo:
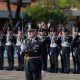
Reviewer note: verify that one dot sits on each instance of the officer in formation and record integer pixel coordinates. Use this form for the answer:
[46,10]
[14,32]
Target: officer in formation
[76,51]
[54,50]
[45,48]
[19,39]
[51,45]
[10,43]
[2,48]
[31,49]
[65,54]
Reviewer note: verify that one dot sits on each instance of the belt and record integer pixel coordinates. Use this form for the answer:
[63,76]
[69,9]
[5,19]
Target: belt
[53,45]
[34,57]
[65,45]
[18,44]
[28,58]
[8,43]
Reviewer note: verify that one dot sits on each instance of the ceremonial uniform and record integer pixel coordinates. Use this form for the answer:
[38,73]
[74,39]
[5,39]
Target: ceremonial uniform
[65,54]
[32,55]
[45,48]
[54,51]
[2,48]
[10,43]
[18,44]
[76,52]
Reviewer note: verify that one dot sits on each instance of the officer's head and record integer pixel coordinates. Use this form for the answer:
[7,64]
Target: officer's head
[53,31]
[42,32]
[32,30]
[65,31]
[9,30]
[78,31]
[19,31]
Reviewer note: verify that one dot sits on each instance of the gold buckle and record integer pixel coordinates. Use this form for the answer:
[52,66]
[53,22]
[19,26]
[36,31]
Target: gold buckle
[26,57]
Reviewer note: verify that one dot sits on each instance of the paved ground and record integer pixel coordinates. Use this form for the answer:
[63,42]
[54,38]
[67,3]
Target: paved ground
[17,75]
[20,75]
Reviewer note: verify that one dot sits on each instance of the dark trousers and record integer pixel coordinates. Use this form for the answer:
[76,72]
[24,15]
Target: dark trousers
[20,59]
[65,59]
[10,55]
[44,56]
[1,56]
[54,59]
[76,60]
[32,75]
[78,63]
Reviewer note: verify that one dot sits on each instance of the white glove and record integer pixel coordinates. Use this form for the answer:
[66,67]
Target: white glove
[43,74]
[23,47]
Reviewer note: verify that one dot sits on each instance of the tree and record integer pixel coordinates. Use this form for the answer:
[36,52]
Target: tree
[10,13]
[39,14]
[64,3]
[17,12]
[19,4]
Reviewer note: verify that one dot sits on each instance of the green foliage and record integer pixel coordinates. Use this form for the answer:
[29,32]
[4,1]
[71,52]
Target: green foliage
[40,14]
[64,3]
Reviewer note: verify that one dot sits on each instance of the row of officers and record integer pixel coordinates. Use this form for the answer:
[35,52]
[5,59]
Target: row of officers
[33,50]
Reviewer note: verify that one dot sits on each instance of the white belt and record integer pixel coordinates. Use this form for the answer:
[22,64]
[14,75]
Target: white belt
[33,57]
[8,43]
[23,47]
[18,44]
[0,44]
[65,45]
[53,45]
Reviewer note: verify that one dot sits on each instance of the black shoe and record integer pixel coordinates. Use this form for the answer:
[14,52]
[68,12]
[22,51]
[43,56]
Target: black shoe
[22,69]
[9,68]
[77,72]
[18,69]
[51,70]
[74,71]
[68,72]
[1,68]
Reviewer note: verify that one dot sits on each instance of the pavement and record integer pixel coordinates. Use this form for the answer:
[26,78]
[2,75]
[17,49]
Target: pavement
[20,75]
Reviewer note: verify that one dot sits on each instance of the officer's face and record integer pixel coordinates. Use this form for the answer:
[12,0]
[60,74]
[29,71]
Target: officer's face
[19,33]
[32,34]
[42,33]
[9,32]
[65,33]
[53,33]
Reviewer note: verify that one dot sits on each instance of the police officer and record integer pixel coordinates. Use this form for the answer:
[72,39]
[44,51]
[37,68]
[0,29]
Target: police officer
[2,48]
[76,51]
[18,44]
[54,50]
[45,48]
[32,54]
[65,54]
[10,43]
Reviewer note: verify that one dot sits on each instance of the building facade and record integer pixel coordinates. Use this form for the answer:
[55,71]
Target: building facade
[4,14]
